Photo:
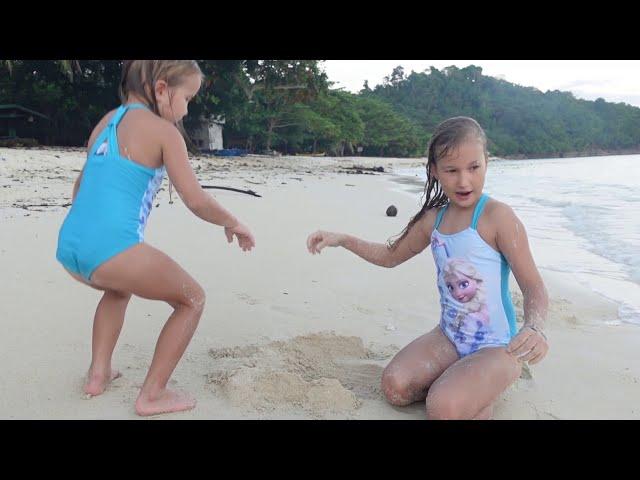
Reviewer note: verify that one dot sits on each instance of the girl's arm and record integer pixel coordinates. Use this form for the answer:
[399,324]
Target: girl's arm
[203,205]
[416,240]
[176,161]
[512,241]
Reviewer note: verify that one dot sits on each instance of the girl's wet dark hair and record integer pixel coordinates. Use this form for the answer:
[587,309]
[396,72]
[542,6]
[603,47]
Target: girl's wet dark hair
[447,136]
[140,77]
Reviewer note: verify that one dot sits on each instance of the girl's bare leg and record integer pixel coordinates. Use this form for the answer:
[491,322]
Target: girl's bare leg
[485,414]
[148,273]
[107,324]
[468,388]
[410,373]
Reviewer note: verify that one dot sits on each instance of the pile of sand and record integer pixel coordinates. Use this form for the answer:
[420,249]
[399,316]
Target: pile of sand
[320,373]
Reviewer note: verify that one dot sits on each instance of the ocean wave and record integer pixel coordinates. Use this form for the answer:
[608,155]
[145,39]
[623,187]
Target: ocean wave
[603,230]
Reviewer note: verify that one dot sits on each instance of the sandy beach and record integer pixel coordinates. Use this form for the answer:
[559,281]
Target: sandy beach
[284,334]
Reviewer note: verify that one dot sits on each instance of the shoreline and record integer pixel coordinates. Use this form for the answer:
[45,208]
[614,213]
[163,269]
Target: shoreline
[367,160]
[569,155]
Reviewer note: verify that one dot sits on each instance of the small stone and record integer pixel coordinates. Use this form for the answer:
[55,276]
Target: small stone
[392,211]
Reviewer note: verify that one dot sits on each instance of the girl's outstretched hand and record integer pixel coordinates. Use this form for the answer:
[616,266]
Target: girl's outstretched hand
[529,345]
[243,234]
[320,239]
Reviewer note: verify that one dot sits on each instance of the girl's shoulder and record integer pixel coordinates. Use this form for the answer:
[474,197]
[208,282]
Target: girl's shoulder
[100,127]
[137,118]
[104,120]
[495,210]
[147,123]
[147,128]
[431,215]
[428,220]
[498,220]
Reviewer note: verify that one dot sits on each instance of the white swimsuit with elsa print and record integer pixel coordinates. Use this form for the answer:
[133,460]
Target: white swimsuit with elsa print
[473,280]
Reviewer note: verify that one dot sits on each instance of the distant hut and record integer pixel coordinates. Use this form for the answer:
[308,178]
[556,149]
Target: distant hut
[206,134]
[17,121]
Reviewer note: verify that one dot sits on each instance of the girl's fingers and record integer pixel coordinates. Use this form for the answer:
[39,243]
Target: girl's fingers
[310,244]
[534,352]
[311,241]
[246,240]
[537,358]
[248,243]
[517,341]
[321,245]
[317,241]
[522,343]
[526,346]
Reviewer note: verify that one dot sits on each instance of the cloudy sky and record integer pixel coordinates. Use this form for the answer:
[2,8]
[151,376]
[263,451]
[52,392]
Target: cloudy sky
[613,80]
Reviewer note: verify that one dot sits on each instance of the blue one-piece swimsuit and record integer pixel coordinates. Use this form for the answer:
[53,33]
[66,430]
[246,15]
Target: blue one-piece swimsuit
[473,280]
[111,208]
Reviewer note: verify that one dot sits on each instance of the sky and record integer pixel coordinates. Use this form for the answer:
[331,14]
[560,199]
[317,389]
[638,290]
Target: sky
[613,80]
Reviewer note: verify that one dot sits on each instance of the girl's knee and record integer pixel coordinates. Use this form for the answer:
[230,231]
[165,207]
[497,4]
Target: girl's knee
[118,295]
[193,297]
[199,298]
[396,388]
[443,407]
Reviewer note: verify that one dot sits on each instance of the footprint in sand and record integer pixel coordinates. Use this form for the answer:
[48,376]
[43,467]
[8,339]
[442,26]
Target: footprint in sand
[320,374]
[247,299]
[287,310]
[363,310]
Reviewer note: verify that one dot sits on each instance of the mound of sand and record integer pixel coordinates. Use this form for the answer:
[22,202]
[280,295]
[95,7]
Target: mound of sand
[320,373]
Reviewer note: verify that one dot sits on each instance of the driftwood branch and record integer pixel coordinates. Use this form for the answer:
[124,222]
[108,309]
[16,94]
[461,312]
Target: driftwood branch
[363,170]
[248,192]
[367,169]
[27,206]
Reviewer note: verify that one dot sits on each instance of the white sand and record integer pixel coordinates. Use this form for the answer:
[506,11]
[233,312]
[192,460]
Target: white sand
[284,334]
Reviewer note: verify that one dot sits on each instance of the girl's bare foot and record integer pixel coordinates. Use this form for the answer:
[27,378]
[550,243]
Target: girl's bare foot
[97,382]
[168,401]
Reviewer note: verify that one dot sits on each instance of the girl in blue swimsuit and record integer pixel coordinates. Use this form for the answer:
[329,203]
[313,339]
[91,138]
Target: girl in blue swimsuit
[463,364]
[101,242]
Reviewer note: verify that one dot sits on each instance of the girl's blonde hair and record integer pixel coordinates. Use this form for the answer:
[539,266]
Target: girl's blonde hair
[140,77]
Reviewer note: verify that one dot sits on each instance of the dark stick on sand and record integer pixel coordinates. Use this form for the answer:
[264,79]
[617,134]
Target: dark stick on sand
[248,192]
[367,169]
[27,206]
